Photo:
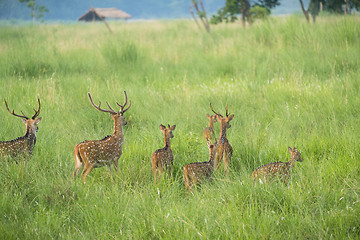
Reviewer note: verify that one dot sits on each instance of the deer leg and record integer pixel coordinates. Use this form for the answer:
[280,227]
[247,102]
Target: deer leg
[153,165]
[168,168]
[116,165]
[78,163]
[186,180]
[226,164]
[87,169]
[218,159]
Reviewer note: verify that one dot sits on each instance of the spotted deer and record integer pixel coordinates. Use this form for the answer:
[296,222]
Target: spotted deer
[195,173]
[224,150]
[281,170]
[97,153]
[22,147]
[162,159]
[209,133]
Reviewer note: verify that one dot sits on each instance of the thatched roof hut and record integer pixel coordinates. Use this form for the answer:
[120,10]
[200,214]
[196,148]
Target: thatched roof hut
[98,14]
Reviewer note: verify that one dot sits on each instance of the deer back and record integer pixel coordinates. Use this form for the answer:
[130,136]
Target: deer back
[163,157]
[22,146]
[281,170]
[199,171]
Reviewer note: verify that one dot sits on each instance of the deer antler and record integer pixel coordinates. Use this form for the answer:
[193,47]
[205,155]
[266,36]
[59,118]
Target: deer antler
[122,106]
[214,111]
[36,111]
[98,107]
[13,112]
[227,113]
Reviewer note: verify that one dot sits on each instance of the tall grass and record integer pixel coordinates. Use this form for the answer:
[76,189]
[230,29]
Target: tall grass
[287,82]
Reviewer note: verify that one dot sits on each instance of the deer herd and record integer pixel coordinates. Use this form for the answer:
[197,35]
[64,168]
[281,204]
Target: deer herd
[107,151]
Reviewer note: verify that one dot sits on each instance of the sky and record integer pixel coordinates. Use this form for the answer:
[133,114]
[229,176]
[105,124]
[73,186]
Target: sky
[71,10]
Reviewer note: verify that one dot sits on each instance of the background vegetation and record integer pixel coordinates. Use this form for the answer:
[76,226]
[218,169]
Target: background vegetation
[288,83]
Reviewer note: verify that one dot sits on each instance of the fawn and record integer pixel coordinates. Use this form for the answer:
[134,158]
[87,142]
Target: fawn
[281,170]
[97,153]
[224,149]
[22,147]
[162,159]
[195,173]
[209,133]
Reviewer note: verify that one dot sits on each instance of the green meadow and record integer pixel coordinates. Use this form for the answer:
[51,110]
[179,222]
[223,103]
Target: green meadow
[288,83]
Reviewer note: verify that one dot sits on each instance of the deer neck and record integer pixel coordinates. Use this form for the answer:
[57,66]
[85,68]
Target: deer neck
[30,136]
[291,163]
[167,142]
[118,128]
[223,133]
[212,160]
[211,124]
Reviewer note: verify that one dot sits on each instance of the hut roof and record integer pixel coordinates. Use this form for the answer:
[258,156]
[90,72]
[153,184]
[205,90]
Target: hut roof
[96,14]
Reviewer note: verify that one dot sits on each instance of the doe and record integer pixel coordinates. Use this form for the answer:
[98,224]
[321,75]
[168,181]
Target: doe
[209,133]
[162,159]
[195,173]
[279,170]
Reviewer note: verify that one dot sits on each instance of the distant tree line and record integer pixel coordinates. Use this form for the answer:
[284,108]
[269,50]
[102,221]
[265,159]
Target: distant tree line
[247,9]
[37,11]
[250,10]
[332,6]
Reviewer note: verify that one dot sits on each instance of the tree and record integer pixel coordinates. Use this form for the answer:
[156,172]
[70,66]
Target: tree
[201,13]
[258,12]
[37,11]
[233,8]
[313,9]
[341,6]
[335,6]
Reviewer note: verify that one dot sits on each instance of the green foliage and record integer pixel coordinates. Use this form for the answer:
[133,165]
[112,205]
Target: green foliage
[258,12]
[287,82]
[37,11]
[233,8]
[337,6]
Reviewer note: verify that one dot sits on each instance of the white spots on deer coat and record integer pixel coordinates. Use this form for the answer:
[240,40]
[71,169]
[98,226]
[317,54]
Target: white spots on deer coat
[281,170]
[108,150]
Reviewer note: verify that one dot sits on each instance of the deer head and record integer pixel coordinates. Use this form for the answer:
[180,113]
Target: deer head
[167,131]
[295,155]
[225,121]
[31,123]
[114,114]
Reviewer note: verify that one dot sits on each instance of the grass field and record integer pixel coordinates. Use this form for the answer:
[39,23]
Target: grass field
[287,82]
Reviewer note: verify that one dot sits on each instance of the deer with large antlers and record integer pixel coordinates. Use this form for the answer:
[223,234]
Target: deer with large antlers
[162,159]
[97,153]
[279,170]
[195,173]
[209,133]
[224,150]
[22,147]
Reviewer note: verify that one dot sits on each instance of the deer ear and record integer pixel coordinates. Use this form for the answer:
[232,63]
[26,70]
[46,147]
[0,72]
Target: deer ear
[173,127]
[162,127]
[24,120]
[231,117]
[294,149]
[207,115]
[37,120]
[290,150]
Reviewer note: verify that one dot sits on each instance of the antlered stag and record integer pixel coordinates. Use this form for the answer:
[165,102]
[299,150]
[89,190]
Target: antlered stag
[22,147]
[97,153]
[224,149]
